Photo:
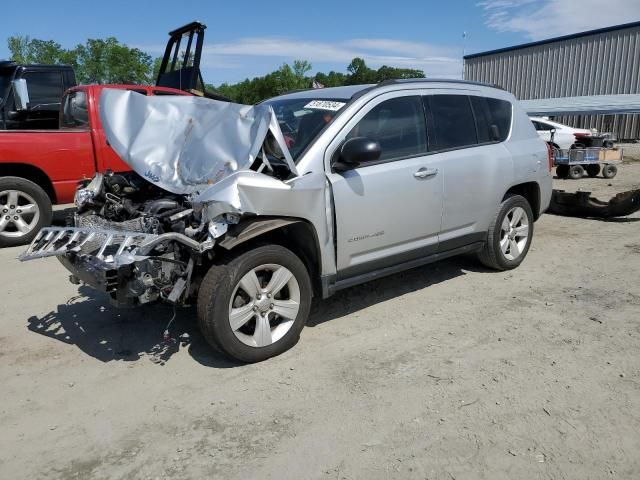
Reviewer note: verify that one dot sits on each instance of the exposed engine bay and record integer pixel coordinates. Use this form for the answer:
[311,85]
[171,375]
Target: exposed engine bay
[120,221]
[111,199]
[207,176]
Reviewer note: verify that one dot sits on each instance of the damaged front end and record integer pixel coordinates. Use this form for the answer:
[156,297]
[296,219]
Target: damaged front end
[128,238]
[151,234]
[132,267]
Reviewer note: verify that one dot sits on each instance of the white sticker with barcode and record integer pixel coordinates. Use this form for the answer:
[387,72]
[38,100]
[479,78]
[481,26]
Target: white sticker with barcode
[325,105]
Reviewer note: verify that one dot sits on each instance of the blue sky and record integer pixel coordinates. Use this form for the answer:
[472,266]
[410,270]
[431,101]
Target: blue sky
[246,39]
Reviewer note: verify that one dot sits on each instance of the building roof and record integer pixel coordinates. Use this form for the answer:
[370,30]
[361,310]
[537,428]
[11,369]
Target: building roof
[555,39]
[586,105]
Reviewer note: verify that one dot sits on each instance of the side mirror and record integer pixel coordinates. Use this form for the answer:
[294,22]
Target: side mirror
[494,131]
[356,151]
[20,94]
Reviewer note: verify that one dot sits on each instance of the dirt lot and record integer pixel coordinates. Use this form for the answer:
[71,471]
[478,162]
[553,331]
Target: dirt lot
[445,372]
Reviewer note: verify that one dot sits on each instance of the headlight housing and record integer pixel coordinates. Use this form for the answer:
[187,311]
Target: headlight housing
[86,195]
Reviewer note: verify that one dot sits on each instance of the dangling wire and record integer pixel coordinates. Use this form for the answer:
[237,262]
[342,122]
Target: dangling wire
[166,330]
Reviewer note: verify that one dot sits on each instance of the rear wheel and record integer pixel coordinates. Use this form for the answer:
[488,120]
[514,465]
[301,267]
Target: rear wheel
[24,209]
[509,235]
[593,170]
[576,172]
[609,171]
[255,306]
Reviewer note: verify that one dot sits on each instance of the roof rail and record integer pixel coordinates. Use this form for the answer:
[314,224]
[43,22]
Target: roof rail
[394,81]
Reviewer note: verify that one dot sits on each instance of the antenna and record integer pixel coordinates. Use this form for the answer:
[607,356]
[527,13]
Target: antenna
[464,44]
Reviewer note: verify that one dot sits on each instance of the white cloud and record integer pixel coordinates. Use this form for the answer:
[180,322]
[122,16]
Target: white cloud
[434,60]
[549,18]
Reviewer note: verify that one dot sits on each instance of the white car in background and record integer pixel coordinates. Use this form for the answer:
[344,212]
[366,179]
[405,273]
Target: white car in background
[564,137]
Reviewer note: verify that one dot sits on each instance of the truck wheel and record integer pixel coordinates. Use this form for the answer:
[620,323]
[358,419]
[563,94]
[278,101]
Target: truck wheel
[593,170]
[509,235]
[609,171]
[562,171]
[24,208]
[255,306]
[607,144]
[576,172]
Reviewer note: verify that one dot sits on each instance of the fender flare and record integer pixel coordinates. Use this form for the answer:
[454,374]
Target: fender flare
[253,228]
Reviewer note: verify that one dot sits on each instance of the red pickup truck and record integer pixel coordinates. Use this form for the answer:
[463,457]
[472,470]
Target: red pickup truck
[41,167]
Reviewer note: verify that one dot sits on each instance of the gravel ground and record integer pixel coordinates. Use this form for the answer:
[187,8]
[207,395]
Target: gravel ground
[445,372]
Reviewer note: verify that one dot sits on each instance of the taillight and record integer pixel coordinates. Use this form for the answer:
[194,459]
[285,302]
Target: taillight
[550,156]
[580,135]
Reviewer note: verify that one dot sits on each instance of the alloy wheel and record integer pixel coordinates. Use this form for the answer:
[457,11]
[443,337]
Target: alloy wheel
[514,233]
[264,305]
[19,213]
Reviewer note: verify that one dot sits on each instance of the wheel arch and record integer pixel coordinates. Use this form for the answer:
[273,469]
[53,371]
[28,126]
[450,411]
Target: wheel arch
[31,173]
[531,192]
[296,234]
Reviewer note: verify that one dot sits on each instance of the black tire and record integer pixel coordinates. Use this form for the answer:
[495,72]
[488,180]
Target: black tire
[562,171]
[491,254]
[593,170]
[214,299]
[11,236]
[576,172]
[609,171]
[607,144]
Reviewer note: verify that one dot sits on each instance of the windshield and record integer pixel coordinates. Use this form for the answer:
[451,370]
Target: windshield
[302,119]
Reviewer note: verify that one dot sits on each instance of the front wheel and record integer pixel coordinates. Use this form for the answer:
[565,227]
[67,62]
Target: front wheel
[255,306]
[24,208]
[509,235]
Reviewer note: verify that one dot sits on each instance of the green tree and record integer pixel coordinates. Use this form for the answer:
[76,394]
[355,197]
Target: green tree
[109,61]
[95,61]
[386,73]
[300,69]
[157,62]
[32,50]
[359,73]
[331,79]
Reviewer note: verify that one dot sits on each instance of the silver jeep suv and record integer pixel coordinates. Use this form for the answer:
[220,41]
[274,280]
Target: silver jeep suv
[251,211]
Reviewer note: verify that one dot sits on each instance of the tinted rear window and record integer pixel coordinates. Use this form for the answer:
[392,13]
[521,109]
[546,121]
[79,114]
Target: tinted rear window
[493,118]
[452,122]
[44,87]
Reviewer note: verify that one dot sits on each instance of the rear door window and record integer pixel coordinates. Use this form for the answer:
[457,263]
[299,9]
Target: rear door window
[44,87]
[493,118]
[398,125]
[451,122]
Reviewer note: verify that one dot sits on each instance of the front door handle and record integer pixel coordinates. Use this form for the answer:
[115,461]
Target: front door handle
[426,172]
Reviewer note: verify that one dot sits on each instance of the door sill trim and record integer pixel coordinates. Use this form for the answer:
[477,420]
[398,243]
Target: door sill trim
[330,286]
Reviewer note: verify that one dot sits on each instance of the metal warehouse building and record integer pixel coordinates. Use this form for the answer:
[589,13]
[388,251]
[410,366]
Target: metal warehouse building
[598,62]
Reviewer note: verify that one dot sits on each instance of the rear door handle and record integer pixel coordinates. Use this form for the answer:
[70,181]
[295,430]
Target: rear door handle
[425,172]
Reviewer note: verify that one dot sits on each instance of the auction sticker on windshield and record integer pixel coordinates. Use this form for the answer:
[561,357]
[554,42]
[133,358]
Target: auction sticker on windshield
[325,105]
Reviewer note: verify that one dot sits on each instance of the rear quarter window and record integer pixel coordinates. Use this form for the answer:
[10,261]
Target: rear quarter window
[493,118]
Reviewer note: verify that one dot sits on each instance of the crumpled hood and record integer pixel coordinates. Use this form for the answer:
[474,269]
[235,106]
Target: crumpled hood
[184,144]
